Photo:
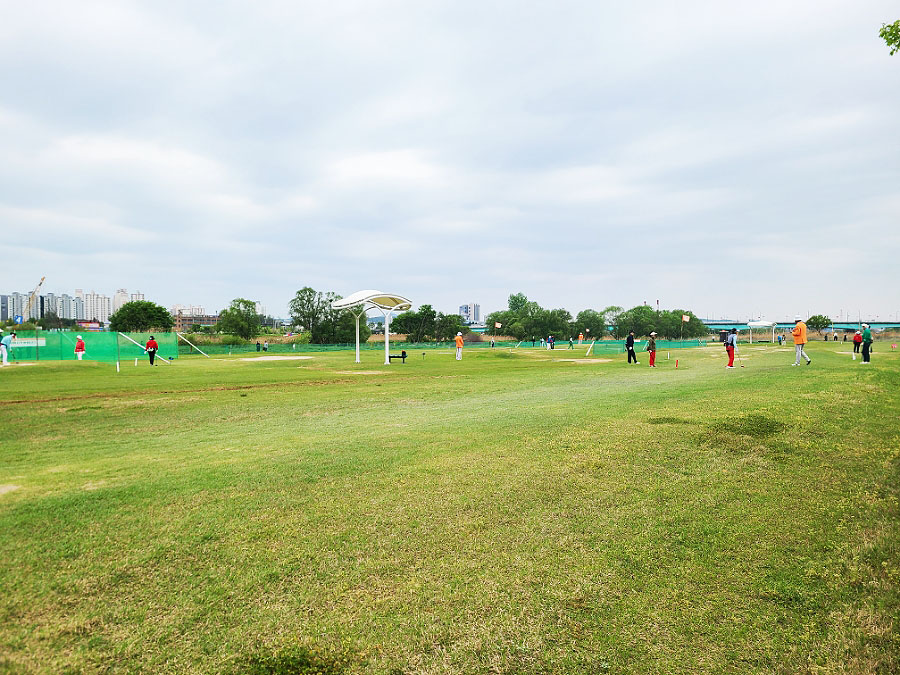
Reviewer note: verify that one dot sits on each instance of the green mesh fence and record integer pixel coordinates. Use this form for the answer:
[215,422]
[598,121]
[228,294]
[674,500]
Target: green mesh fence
[602,347]
[107,347]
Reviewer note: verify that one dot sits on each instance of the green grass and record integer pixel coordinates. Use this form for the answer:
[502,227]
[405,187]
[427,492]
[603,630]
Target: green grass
[510,513]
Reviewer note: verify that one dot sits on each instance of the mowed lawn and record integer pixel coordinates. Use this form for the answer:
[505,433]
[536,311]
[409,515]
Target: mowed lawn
[510,513]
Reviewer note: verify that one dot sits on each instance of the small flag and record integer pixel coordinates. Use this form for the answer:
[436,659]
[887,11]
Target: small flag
[497,324]
[685,318]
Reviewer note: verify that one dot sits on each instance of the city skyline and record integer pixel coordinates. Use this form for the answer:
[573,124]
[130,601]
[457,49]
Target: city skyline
[101,307]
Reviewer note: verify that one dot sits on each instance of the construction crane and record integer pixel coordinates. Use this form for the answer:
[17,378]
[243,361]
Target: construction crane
[34,294]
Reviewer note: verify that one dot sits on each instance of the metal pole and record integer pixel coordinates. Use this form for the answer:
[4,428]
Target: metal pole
[192,344]
[387,337]
[357,334]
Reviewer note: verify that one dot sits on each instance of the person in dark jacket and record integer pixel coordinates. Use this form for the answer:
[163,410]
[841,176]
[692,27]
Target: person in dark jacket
[151,348]
[866,343]
[629,347]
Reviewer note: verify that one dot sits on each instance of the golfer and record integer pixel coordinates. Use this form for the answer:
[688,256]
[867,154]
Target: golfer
[731,347]
[651,347]
[799,334]
[6,348]
[866,343]
[857,342]
[79,347]
[459,346]
[629,347]
[151,348]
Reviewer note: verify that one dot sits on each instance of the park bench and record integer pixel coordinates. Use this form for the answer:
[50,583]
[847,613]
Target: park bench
[401,355]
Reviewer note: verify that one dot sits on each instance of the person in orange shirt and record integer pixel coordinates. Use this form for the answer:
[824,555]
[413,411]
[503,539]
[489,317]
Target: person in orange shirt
[799,334]
[459,346]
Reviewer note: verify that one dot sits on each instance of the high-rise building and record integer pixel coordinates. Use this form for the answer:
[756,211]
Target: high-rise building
[64,307]
[17,302]
[136,296]
[120,298]
[470,313]
[96,307]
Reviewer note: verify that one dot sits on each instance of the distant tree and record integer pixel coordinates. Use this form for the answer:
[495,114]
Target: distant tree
[672,326]
[52,320]
[339,328]
[818,322]
[447,326]
[307,308]
[517,302]
[424,324]
[590,322]
[239,319]
[693,327]
[890,33]
[140,316]
[611,318]
[641,319]
[504,318]
[335,326]
[427,325]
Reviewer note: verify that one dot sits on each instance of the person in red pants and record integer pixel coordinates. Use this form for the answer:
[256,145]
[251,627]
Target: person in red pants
[731,346]
[651,347]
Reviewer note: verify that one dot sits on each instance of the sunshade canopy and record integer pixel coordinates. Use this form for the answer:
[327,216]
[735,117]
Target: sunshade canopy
[386,301]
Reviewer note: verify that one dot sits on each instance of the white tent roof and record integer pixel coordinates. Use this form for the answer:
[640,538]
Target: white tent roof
[387,301]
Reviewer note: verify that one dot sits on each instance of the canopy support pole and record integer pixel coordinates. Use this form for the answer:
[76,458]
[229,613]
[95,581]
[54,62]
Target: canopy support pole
[387,337]
[358,317]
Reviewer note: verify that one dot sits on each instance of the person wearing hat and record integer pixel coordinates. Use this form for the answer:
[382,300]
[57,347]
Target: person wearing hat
[629,347]
[857,342]
[151,348]
[459,346]
[6,348]
[731,347]
[866,343]
[651,347]
[79,347]
[799,334]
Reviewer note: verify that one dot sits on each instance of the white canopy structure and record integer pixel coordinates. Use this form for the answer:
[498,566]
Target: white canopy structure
[362,301]
[761,324]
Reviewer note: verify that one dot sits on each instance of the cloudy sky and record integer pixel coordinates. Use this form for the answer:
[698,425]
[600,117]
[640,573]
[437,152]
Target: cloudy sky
[735,159]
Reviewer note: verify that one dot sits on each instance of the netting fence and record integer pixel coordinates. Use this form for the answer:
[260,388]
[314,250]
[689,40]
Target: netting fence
[107,347]
[600,347]
[111,347]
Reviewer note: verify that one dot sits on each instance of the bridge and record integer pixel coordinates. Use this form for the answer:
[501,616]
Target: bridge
[716,325]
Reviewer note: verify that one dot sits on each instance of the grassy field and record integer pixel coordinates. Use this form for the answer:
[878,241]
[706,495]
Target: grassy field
[511,513]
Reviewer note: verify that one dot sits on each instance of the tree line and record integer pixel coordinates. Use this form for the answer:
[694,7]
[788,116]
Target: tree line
[526,319]
[311,311]
[427,325]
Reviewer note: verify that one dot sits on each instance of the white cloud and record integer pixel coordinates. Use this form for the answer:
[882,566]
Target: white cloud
[509,147]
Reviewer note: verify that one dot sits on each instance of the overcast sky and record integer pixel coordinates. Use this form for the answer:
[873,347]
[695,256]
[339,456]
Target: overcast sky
[734,159]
